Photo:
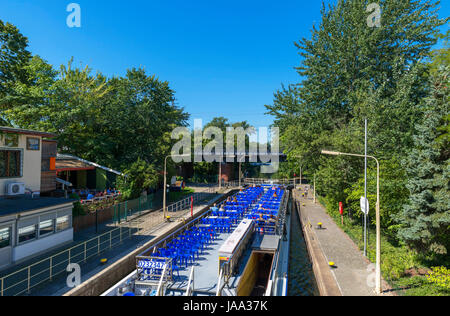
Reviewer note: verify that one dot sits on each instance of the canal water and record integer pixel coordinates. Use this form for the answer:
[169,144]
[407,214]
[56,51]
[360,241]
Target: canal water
[301,276]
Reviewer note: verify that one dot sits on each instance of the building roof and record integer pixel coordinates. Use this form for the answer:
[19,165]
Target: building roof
[24,203]
[66,162]
[71,165]
[6,129]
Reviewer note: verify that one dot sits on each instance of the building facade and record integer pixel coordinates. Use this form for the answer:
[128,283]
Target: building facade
[30,224]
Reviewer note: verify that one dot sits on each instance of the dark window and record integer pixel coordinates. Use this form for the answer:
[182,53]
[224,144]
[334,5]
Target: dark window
[27,233]
[33,143]
[5,237]
[46,227]
[10,163]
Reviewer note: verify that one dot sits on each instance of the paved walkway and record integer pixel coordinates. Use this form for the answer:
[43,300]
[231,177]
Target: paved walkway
[354,274]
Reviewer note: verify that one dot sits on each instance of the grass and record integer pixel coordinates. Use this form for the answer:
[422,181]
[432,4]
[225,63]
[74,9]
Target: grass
[396,260]
[176,196]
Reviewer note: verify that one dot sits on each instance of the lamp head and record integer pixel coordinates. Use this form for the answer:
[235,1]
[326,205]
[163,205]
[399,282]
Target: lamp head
[332,153]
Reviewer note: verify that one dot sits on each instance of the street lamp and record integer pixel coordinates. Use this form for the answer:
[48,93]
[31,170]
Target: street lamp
[301,171]
[240,158]
[165,181]
[378,263]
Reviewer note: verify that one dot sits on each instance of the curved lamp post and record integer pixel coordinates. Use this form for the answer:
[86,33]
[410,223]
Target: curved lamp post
[165,181]
[378,263]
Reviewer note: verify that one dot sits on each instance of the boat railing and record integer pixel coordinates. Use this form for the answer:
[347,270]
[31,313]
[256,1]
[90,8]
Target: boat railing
[224,277]
[190,285]
[272,279]
[153,269]
[162,282]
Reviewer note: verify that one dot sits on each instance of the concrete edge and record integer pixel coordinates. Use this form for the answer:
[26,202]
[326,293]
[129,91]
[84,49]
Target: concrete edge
[325,280]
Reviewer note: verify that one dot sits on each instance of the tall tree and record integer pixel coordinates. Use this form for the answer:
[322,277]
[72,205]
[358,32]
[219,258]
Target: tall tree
[14,56]
[351,71]
[425,220]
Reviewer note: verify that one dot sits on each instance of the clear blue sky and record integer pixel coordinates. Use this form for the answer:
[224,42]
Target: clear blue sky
[223,58]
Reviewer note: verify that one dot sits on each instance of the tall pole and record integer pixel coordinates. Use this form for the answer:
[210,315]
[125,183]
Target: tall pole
[314,188]
[165,187]
[220,175]
[165,182]
[365,191]
[301,175]
[378,257]
[378,265]
[239,174]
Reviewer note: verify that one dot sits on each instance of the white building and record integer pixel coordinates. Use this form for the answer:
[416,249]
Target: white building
[29,224]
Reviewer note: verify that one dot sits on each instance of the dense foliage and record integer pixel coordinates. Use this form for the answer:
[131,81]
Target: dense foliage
[349,72]
[121,122]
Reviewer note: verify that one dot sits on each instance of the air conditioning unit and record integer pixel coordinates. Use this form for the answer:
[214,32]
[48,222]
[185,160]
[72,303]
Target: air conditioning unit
[15,189]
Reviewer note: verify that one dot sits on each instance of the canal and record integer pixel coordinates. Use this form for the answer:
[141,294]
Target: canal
[301,276]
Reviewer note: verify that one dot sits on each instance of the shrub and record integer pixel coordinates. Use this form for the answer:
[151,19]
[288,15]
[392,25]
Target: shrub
[440,276]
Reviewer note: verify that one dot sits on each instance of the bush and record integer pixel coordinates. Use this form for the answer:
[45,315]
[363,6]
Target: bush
[78,209]
[440,276]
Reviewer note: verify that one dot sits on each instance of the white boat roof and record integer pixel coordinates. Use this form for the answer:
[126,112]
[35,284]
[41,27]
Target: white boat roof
[233,241]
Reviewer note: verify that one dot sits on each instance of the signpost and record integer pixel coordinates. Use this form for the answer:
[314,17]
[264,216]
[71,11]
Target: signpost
[364,206]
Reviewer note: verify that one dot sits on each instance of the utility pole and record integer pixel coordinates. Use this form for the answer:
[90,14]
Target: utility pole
[314,188]
[365,191]
[220,175]
[378,288]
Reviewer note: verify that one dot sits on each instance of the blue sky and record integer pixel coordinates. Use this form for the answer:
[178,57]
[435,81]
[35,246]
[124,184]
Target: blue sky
[223,58]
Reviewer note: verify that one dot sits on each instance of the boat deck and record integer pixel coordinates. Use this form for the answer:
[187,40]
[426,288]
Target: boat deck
[205,266]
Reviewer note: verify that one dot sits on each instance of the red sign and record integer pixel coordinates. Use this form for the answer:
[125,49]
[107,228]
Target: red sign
[192,206]
[341,208]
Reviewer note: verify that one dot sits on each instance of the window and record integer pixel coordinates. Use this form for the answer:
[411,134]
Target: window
[5,237]
[33,143]
[11,140]
[62,223]
[46,227]
[27,233]
[10,164]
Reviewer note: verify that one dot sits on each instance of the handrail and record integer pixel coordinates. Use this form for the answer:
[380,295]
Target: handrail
[189,292]
[223,276]
[100,246]
[219,285]
[158,292]
[87,250]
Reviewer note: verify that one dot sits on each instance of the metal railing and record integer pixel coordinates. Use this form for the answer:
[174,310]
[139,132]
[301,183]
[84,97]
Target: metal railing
[179,210]
[190,285]
[25,279]
[260,181]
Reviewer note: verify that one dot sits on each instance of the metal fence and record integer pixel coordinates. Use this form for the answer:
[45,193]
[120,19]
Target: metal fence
[137,221]
[23,280]
[122,211]
[271,181]
[151,219]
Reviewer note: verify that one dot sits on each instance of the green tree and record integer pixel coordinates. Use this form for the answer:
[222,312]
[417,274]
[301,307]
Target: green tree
[14,56]
[425,220]
[140,176]
[351,72]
